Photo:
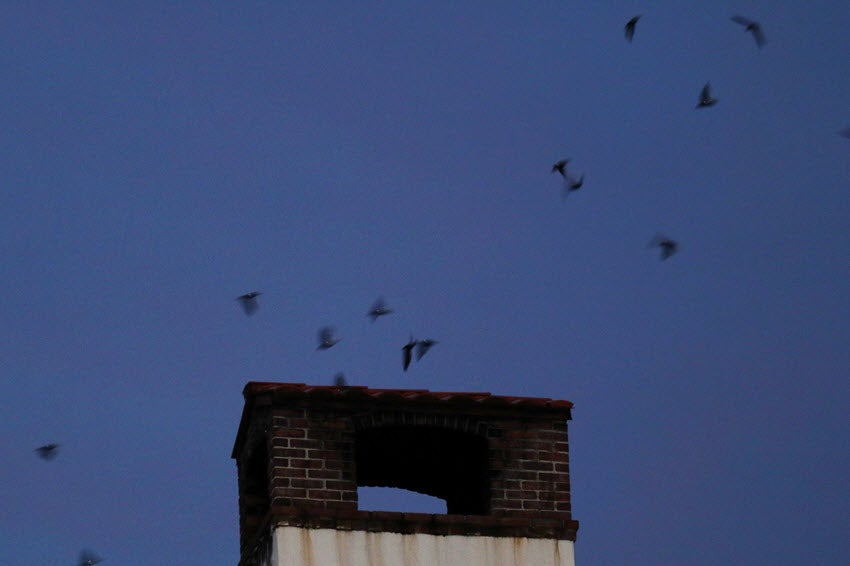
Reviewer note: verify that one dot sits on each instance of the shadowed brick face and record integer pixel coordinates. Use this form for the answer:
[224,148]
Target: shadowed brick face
[500,463]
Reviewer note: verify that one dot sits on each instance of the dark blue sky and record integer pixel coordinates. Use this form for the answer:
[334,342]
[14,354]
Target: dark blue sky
[160,159]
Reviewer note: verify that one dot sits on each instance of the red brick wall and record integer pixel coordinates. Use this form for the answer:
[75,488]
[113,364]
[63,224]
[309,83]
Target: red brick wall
[311,474]
[529,464]
[312,458]
[312,454]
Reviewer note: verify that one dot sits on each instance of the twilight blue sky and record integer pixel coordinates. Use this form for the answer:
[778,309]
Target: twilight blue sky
[159,159]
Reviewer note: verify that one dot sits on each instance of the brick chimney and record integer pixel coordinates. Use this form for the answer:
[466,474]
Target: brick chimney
[500,463]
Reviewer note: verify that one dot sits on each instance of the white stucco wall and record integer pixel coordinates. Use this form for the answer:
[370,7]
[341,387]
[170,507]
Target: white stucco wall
[293,546]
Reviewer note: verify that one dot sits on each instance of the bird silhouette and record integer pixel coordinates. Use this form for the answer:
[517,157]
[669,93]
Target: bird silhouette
[249,302]
[327,338]
[668,246]
[561,167]
[705,98]
[572,184]
[575,184]
[339,380]
[752,27]
[48,451]
[379,309]
[630,28]
[407,353]
[423,346]
[89,558]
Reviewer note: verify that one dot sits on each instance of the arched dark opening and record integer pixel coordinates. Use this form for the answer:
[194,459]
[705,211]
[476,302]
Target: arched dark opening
[448,464]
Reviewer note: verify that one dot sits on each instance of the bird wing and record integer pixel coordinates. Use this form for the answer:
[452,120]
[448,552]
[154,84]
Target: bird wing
[406,355]
[742,20]
[656,240]
[249,304]
[668,248]
[326,334]
[423,346]
[630,27]
[575,183]
[759,36]
[378,309]
[48,451]
[88,558]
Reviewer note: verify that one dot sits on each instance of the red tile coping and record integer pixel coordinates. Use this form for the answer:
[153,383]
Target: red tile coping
[353,392]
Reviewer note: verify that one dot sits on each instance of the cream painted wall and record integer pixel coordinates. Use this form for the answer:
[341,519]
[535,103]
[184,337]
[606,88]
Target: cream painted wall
[293,546]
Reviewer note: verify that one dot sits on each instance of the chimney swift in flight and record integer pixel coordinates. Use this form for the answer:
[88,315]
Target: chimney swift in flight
[630,28]
[752,27]
[705,98]
[423,346]
[89,558]
[249,302]
[668,246]
[571,184]
[561,167]
[327,338]
[379,309]
[48,451]
[407,353]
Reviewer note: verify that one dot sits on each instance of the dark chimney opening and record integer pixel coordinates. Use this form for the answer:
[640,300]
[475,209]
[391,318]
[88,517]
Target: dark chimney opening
[449,464]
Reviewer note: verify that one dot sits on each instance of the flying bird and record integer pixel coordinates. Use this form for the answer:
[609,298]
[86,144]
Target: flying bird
[327,338]
[249,302]
[705,98]
[668,246]
[561,167]
[423,346]
[407,353]
[89,558]
[48,451]
[630,28]
[575,184]
[752,27]
[379,309]
[572,184]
